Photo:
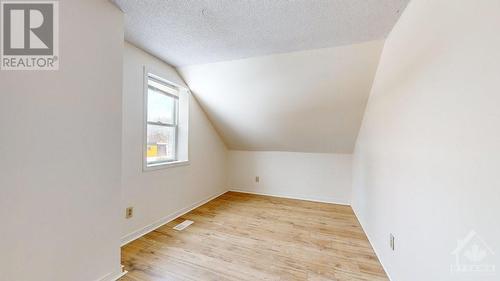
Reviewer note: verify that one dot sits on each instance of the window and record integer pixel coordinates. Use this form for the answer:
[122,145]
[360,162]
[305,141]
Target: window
[166,123]
[162,124]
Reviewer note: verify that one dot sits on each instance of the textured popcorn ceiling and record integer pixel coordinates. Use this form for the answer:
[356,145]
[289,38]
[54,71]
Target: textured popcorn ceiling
[271,75]
[187,32]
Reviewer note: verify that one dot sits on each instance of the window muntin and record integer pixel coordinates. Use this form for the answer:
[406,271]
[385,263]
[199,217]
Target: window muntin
[162,122]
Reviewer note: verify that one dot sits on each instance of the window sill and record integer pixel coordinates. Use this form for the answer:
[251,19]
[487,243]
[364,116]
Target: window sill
[166,165]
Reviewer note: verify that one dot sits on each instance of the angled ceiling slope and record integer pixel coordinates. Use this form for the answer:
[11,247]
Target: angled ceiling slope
[272,75]
[307,101]
[187,32]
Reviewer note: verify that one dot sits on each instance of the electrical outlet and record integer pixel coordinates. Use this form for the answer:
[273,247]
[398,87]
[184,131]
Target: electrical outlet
[129,212]
[391,241]
[257,179]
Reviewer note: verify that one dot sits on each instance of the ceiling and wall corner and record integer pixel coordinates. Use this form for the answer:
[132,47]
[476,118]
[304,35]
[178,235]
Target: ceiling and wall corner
[271,75]
[308,101]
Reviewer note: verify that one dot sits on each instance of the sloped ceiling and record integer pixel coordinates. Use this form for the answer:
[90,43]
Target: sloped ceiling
[308,101]
[271,75]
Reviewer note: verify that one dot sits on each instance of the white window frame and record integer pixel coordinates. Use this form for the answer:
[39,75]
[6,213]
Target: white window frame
[148,73]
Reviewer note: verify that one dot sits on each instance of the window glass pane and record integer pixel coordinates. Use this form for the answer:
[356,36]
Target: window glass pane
[160,144]
[161,108]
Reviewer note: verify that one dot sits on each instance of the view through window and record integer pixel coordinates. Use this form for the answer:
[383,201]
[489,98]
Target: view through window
[162,122]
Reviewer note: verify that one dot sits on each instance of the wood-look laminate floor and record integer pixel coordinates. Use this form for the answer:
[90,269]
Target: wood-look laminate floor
[240,236]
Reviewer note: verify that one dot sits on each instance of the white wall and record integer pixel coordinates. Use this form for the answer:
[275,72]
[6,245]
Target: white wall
[306,101]
[312,176]
[426,164]
[60,151]
[159,194]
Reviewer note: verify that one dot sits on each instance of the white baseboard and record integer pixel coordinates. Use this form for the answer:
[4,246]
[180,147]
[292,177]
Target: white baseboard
[292,197]
[141,232]
[113,276]
[373,246]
